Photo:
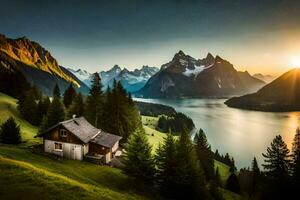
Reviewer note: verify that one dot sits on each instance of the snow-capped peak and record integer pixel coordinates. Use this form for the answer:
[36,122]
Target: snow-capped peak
[82,75]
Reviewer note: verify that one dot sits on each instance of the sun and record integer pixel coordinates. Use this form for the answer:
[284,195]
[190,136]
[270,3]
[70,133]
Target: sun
[295,61]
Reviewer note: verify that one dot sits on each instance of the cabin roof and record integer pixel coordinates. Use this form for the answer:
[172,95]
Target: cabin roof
[81,128]
[106,139]
[86,132]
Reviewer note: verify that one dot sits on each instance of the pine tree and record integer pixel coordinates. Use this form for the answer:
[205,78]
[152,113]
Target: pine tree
[204,154]
[254,166]
[277,161]
[42,109]
[28,107]
[232,183]
[10,132]
[69,95]
[76,107]
[56,91]
[120,108]
[217,155]
[55,114]
[296,158]
[44,124]
[166,165]
[255,176]
[190,178]
[214,191]
[232,168]
[138,160]
[217,177]
[94,103]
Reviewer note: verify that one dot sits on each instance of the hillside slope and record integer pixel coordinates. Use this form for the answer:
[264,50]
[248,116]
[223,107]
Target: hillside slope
[39,177]
[8,108]
[37,64]
[155,138]
[282,94]
[28,175]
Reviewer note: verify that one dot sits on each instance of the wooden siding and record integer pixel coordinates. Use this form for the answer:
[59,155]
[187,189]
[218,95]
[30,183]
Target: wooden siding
[96,148]
[69,150]
[55,136]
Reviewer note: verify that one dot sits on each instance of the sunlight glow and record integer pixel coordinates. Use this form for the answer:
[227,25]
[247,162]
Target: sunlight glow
[295,61]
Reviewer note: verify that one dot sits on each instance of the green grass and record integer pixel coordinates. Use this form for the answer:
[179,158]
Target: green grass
[40,177]
[155,138]
[8,108]
[28,175]
[223,170]
[150,122]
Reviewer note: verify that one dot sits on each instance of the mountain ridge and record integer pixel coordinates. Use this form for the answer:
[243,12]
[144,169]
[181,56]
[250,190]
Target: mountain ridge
[282,94]
[266,78]
[185,76]
[37,64]
[132,80]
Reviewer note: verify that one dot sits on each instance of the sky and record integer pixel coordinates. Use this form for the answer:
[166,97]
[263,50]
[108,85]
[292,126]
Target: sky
[258,36]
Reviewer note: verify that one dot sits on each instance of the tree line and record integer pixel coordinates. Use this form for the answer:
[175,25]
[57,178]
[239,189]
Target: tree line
[227,159]
[154,110]
[181,169]
[175,122]
[280,178]
[113,110]
[12,81]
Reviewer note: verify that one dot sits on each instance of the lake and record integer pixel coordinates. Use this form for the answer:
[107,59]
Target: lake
[242,133]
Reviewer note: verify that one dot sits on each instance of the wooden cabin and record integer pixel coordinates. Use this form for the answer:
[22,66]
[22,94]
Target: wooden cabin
[77,138]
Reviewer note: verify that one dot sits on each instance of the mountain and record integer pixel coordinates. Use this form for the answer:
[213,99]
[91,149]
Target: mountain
[82,75]
[265,78]
[131,80]
[185,76]
[282,94]
[37,65]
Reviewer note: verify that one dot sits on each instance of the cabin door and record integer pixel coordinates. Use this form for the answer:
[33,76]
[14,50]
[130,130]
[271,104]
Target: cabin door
[76,152]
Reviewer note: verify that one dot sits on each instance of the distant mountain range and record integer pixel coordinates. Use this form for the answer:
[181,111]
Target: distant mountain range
[82,75]
[132,81]
[282,94]
[265,78]
[37,64]
[185,76]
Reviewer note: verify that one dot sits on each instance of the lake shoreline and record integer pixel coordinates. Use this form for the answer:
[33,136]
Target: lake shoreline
[241,133]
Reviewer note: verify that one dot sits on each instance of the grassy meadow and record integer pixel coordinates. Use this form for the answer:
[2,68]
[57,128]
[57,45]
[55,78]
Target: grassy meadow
[8,108]
[24,173]
[36,176]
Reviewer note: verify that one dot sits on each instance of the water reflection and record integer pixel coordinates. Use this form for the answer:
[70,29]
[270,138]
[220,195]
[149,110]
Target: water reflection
[242,133]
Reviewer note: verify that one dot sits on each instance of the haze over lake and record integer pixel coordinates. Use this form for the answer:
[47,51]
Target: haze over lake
[241,133]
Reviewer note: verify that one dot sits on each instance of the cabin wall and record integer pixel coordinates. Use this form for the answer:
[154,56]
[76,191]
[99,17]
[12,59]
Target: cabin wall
[98,149]
[115,147]
[69,150]
[108,157]
[85,149]
[55,136]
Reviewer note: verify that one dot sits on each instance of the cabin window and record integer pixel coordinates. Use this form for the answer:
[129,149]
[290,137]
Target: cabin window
[63,133]
[58,146]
